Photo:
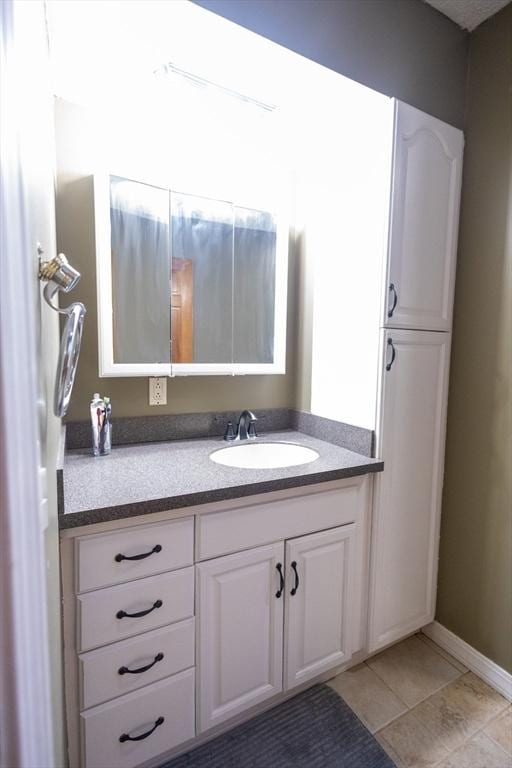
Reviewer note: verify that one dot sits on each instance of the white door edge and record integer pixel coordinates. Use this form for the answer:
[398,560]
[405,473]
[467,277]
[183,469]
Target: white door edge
[25,698]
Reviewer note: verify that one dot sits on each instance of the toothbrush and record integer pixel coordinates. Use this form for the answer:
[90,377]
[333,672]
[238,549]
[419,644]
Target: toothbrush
[100,413]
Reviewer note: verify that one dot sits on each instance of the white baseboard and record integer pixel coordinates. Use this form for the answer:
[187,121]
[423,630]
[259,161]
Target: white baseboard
[497,677]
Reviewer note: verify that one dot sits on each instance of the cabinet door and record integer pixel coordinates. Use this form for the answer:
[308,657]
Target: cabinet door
[319,590]
[240,610]
[423,222]
[407,500]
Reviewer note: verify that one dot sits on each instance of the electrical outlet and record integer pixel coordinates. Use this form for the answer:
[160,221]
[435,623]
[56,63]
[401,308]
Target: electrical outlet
[157,390]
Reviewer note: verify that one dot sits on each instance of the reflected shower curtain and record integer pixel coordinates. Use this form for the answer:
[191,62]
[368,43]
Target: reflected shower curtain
[254,246]
[233,252]
[222,295]
[139,218]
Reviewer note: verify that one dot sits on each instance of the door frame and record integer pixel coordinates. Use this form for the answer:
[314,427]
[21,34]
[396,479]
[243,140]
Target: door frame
[26,732]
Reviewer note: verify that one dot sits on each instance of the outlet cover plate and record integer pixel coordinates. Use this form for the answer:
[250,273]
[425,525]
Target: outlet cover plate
[157,390]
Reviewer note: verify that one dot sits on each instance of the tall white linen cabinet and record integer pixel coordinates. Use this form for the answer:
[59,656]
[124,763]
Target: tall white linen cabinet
[392,334]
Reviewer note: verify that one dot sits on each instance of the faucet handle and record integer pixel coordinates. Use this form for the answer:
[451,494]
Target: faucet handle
[251,432]
[229,434]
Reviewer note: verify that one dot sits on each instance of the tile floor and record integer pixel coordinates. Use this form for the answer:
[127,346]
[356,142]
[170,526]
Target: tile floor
[426,709]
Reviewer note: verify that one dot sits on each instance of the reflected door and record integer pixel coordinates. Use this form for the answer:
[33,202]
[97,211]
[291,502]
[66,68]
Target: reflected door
[182,311]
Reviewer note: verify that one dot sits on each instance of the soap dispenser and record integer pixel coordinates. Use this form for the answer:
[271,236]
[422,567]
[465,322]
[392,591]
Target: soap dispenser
[101,411]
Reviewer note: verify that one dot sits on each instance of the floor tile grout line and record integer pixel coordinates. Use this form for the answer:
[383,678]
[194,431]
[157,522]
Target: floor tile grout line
[409,707]
[388,749]
[470,738]
[358,714]
[387,686]
[446,655]
[508,754]
[449,750]
[493,720]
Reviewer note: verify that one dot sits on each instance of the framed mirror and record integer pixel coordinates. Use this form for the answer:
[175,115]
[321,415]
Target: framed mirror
[189,283]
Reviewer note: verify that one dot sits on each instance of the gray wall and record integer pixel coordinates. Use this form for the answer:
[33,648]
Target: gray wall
[475,575]
[403,48]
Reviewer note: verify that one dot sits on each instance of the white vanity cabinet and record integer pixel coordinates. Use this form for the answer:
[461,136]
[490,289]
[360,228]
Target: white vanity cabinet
[424,220]
[259,596]
[245,600]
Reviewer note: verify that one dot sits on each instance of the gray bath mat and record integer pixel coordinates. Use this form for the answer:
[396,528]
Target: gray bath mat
[316,729]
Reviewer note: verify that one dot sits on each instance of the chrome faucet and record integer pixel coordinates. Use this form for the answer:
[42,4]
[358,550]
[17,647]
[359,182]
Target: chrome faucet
[246,429]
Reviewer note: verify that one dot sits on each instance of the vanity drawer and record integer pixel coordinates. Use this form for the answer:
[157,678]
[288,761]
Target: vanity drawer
[135,714]
[163,599]
[219,533]
[99,670]
[163,547]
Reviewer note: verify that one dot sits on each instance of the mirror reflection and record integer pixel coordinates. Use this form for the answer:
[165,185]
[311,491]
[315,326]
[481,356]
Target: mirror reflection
[139,227]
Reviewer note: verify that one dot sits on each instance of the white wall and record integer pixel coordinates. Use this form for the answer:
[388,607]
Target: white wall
[345,211]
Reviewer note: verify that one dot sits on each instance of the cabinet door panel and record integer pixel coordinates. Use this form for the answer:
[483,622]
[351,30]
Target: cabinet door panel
[240,632]
[424,221]
[318,611]
[408,492]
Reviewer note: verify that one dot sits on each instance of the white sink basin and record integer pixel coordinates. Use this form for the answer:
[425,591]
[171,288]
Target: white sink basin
[249,455]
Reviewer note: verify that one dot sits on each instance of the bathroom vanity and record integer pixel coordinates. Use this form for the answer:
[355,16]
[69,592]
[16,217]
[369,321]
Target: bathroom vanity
[197,594]
[180,623]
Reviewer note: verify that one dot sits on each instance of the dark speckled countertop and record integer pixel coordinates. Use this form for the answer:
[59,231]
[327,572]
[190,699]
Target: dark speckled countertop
[154,477]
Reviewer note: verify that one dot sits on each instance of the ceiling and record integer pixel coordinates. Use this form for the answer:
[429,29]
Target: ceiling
[468,14]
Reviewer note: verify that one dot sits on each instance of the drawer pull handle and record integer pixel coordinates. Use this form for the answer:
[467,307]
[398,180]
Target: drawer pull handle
[125,670]
[281,580]
[395,300]
[296,585]
[126,736]
[119,558]
[140,614]
[393,355]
